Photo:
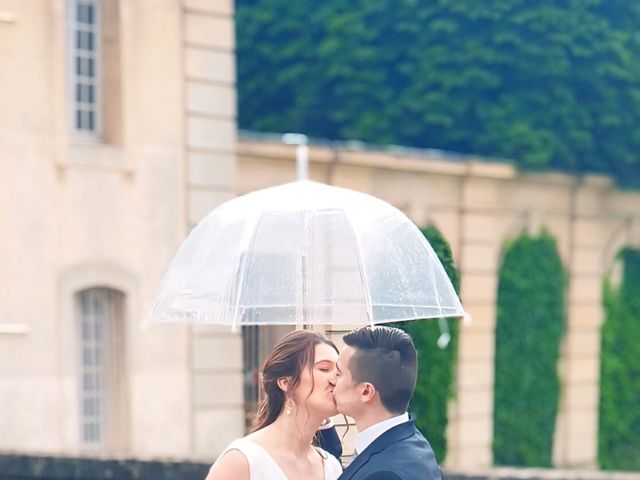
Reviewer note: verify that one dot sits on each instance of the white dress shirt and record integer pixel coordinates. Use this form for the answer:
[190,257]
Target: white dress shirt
[327,425]
[368,435]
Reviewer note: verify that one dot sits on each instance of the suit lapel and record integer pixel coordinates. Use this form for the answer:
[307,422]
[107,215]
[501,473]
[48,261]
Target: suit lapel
[391,436]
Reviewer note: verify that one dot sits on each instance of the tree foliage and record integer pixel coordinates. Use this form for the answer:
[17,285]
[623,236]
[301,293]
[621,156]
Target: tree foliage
[435,384]
[548,84]
[530,322]
[619,419]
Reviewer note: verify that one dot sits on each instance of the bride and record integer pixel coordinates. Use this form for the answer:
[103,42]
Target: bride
[297,381]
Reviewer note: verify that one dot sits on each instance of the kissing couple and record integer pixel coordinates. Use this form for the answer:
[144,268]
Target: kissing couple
[306,380]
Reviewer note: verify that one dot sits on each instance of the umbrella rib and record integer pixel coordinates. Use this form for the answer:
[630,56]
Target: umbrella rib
[363,273]
[251,227]
[433,265]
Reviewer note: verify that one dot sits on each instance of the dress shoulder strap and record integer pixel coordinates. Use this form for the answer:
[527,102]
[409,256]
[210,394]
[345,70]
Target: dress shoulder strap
[249,449]
[331,465]
[261,465]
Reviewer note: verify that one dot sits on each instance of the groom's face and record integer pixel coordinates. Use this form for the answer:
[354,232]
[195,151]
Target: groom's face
[346,391]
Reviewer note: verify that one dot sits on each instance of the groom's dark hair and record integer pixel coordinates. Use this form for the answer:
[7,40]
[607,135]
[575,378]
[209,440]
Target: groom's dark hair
[386,358]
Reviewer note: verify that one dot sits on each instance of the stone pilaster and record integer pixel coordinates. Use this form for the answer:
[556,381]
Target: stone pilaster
[210,153]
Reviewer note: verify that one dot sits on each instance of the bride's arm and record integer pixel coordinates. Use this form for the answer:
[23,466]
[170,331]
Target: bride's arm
[232,465]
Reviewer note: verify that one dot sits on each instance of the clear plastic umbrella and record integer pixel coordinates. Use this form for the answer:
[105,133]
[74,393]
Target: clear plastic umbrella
[305,253]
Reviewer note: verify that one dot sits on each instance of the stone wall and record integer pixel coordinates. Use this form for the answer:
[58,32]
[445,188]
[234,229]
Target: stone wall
[478,204]
[22,467]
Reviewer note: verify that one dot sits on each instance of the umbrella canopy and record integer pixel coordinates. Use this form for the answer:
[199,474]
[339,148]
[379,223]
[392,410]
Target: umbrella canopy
[305,253]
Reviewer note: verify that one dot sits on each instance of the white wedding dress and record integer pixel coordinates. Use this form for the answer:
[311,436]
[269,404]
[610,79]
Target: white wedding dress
[263,467]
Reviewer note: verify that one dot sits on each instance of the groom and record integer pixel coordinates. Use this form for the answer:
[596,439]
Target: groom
[377,373]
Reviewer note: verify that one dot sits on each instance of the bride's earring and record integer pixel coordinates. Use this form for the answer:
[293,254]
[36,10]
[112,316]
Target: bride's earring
[288,406]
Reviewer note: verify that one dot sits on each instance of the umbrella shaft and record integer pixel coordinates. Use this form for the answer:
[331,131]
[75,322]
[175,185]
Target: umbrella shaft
[303,266]
[302,162]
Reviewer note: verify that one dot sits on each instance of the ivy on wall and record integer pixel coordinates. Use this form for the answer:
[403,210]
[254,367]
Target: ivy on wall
[530,322]
[436,366]
[619,419]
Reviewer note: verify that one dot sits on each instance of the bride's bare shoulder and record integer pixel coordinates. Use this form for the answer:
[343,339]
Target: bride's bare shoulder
[233,465]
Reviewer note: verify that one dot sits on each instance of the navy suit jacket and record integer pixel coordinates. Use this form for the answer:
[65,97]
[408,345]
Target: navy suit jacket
[329,441]
[400,453]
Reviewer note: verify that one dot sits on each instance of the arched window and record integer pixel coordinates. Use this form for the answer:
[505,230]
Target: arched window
[102,383]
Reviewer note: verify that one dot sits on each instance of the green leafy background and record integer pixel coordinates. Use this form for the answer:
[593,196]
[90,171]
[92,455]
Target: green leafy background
[547,84]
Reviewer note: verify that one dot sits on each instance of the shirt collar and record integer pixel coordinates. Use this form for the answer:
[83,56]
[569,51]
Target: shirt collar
[368,435]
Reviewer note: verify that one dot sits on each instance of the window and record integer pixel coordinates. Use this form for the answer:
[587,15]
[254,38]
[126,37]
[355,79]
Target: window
[257,343]
[94,69]
[102,393]
[84,40]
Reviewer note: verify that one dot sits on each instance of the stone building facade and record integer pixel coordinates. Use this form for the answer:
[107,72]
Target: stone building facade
[117,134]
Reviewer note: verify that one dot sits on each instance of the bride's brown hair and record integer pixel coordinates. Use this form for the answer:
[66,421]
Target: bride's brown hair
[294,352]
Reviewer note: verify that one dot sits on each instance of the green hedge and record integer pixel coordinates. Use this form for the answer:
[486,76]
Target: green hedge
[619,421]
[436,372]
[548,84]
[530,321]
